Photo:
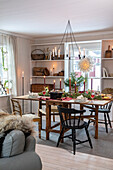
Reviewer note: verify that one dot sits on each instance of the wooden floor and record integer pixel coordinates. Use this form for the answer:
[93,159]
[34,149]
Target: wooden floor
[54,158]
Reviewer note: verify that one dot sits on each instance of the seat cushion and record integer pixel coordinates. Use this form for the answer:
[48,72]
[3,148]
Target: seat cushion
[13,144]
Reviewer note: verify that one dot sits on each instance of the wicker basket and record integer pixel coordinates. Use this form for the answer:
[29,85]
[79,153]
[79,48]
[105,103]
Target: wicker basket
[37,54]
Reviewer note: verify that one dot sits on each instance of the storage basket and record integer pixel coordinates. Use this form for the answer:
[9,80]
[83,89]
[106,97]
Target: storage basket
[37,54]
[40,71]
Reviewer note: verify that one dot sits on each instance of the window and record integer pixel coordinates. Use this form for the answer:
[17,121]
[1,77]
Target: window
[7,64]
[93,50]
[3,68]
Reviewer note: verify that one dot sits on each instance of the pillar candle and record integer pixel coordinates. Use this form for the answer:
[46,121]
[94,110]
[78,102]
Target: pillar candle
[84,85]
[75,86]
[59,53]
[54,85]
[55,51]
[84,52]
[60,84]
[30,80]
[22,73]
[44,80]
[91,84]
[79,51]
[69,83]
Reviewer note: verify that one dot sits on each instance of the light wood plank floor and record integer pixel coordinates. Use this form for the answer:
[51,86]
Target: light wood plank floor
[54,158]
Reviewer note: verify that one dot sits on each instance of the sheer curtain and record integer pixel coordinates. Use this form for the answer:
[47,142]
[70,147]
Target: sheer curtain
[8,44]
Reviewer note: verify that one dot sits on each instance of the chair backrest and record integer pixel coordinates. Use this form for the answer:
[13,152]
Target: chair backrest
[66,115]
[16,107]
[109,106]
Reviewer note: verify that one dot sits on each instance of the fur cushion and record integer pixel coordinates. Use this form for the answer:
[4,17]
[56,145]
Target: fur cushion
[11,122]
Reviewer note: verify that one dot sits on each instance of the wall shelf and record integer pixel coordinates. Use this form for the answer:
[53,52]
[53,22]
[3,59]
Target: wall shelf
[107,77]
[107,58]
[52,77]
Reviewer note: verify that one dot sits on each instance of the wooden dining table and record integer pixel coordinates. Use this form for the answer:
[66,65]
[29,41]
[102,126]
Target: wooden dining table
[65,103]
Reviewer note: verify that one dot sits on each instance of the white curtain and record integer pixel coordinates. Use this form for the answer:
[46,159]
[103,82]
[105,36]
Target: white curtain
[8,42]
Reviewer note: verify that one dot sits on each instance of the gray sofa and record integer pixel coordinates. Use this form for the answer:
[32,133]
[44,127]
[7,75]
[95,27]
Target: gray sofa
[15,155]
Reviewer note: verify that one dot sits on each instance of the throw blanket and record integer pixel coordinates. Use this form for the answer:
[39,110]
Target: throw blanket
[11,122]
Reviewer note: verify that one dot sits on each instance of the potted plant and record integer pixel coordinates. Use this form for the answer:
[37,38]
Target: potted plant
[79,80]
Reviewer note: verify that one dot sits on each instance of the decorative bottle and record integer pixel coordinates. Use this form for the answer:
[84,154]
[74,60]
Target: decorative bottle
[108,53]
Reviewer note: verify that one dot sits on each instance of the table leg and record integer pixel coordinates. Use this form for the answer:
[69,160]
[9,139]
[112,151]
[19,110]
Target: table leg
[40,115]
[96,122]
[48,119]
[81,108]
[31,106]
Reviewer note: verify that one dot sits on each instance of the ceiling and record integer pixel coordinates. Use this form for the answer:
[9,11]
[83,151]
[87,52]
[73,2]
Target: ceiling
[38,18]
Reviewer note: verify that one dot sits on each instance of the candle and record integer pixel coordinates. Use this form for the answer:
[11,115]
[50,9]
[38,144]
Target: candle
[30,80]
[79,51]
[66,52]
[22,73]
[60,84]
[83,51]
[54,85]
[112,47]
[59,53]
[91,84]
[70,84]
[55,51]
[75,86]
[51,72]
[84,85]
[44,80]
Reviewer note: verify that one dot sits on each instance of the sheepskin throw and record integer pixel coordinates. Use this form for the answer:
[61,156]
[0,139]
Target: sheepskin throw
[11,122]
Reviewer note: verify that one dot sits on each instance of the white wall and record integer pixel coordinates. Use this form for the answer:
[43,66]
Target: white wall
[23,54]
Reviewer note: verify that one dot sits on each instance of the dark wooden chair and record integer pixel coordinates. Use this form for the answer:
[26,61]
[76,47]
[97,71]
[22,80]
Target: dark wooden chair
[103,110]
[71,119]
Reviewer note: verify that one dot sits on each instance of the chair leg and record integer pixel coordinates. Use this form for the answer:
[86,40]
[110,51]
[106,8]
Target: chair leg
[61,133]
[89,120]
[74,141]
[106,123]
[87,133]
[109,120]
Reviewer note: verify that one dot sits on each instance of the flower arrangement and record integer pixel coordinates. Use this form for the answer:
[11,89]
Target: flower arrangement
[79,80]
[87,95]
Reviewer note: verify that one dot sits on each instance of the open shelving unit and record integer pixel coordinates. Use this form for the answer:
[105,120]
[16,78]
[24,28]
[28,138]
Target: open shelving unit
[54,66]
[53,77]
[107,63]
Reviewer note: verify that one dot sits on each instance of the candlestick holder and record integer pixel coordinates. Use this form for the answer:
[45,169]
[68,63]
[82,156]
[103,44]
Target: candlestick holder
[23,94]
